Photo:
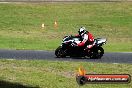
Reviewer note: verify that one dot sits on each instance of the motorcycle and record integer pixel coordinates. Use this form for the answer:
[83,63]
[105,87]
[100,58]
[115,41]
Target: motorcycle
[69,48]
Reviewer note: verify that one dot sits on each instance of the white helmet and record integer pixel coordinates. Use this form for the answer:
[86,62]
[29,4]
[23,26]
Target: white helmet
[82,31]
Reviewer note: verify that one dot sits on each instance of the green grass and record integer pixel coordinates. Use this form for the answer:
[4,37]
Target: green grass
[20,24]
[57,74]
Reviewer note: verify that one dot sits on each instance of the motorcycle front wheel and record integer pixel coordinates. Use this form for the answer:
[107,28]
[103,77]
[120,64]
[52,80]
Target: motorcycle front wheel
[59,52]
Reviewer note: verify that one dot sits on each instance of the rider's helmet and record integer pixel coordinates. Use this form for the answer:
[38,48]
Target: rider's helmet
[82,31]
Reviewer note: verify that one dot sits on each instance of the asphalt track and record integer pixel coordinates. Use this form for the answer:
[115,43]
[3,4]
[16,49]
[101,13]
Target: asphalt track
[49,55]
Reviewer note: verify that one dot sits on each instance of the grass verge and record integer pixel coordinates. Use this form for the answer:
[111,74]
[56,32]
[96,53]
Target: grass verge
[20,24]
[57,74]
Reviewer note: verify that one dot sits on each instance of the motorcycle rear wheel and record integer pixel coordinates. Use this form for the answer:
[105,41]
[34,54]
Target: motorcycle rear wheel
[97,54]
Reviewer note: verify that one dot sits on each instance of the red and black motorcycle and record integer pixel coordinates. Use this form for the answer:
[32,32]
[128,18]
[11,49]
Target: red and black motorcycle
[69,48]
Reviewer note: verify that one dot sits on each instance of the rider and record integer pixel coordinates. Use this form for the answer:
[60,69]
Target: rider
[87,38]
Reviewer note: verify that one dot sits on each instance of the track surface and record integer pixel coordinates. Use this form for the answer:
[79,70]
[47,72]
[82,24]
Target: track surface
[49,55]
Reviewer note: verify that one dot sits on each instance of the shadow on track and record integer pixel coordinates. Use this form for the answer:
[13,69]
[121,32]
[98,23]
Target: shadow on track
[7,84]
[77,58]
